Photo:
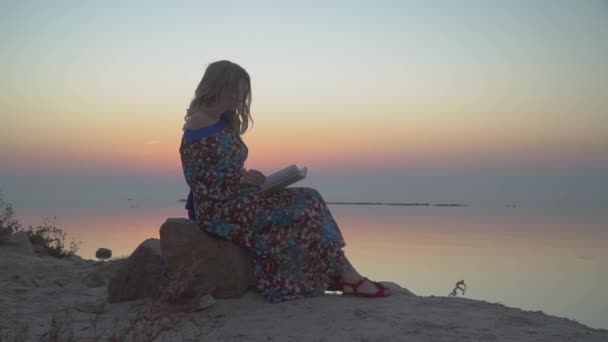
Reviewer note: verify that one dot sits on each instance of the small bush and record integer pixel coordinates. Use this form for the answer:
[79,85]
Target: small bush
[47,234]
[53,238]
[8,223]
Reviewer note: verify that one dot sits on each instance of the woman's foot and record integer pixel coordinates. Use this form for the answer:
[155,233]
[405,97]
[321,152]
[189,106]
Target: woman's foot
[361,287]
[352,283]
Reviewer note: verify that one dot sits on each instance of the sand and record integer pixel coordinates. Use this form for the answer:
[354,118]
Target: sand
[34,290]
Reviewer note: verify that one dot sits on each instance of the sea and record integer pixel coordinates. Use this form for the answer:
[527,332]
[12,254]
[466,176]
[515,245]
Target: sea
[540,256]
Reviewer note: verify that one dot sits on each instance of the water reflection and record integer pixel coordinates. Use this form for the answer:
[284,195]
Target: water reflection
[552,260]
[534,259]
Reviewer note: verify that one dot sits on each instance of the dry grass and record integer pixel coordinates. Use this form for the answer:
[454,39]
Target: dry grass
[167,312]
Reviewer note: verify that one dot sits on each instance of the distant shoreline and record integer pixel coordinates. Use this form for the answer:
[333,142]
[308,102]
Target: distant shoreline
[402,204]
[390,203]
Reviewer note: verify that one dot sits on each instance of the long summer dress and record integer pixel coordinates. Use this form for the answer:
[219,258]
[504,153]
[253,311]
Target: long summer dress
[294,240]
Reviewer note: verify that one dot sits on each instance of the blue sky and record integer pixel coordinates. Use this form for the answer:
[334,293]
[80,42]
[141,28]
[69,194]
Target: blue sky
[461,90]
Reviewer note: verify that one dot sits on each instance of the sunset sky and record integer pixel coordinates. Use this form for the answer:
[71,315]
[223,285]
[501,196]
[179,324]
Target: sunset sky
[399,99]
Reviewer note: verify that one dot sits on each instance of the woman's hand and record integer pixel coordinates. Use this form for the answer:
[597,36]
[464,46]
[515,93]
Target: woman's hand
[254,177]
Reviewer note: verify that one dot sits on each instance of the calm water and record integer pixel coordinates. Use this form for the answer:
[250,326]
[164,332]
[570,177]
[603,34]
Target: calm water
[532,257]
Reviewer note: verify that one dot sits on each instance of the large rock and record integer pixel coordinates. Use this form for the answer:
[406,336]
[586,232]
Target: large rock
[223,268]
[100,272]
[142,275]
[94,279]
[18,243]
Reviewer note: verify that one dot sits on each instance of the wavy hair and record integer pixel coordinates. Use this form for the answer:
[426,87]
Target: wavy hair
[220,78]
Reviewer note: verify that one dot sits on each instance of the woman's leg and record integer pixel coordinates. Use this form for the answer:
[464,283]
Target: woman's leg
[330,235]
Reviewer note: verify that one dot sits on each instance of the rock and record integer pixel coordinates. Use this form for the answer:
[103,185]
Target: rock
[77,260]
[40,250]
[108,268]
[103,253]
[141,275]
[94,279]
[205,302]
[19,243]
[224,269]
[100,272]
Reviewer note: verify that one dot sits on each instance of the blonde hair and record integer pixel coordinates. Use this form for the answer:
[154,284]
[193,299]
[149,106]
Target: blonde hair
[221,76]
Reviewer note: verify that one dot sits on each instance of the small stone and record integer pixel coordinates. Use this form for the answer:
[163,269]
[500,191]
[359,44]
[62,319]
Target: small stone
[91,307]
[205,302]
[103,253]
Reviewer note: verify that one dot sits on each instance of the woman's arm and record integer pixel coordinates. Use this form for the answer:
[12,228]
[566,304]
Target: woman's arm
[213,184]
[253,177]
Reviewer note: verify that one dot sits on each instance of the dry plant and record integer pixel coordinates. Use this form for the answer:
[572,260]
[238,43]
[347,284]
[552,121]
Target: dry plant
[9,224]
[47,234]
[61,330]
[459,286]
[53,238]
[168,311]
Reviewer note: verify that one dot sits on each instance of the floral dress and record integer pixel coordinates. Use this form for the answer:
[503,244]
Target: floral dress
[294,240]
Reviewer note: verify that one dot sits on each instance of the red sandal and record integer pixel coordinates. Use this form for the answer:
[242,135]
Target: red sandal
[382,291]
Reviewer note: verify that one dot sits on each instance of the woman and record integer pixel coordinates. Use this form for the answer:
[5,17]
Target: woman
[295,243]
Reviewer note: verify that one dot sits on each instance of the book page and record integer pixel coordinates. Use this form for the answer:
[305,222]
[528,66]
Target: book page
[283,178]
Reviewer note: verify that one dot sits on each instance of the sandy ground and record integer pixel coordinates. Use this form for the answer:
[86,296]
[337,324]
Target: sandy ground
[34,290]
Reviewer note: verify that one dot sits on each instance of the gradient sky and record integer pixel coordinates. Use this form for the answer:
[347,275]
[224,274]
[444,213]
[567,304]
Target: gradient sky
[380,98]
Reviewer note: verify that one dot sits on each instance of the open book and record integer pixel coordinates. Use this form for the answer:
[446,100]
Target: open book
[283,178]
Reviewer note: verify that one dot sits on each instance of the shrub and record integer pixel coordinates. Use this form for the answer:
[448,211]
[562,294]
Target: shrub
[53,238]
[8,223]
[47,234]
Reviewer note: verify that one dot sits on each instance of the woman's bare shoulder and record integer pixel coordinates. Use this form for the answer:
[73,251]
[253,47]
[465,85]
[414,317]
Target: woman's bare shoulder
[199,121]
